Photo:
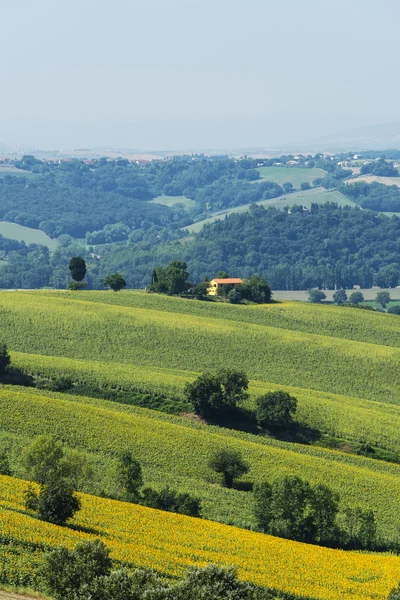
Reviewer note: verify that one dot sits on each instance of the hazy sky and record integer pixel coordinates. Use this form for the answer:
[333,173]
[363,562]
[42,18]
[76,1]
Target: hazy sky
[194,73]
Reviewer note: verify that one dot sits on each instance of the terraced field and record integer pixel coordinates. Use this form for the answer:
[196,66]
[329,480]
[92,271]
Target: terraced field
[171,543]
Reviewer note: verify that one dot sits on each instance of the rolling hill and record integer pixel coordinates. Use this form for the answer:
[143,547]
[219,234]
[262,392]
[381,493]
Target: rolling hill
[134,347]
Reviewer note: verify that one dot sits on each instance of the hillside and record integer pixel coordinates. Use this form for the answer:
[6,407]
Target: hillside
[130,531]
[133,347]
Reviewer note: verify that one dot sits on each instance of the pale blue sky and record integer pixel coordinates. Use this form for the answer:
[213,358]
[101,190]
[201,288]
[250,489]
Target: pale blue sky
[194,73]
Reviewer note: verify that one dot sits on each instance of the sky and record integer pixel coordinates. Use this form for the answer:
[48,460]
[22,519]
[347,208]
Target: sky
[192,74]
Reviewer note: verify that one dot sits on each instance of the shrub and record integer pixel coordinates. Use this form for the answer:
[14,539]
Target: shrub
[5,359]
[340,297]
[55,503]
[215,395]
[356,298]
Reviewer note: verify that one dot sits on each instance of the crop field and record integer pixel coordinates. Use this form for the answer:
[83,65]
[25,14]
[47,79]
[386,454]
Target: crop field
[375,178]
[28,235]
[172,200]
[175,451]
[307,197]
[171,543]
[294,175]
[364,367]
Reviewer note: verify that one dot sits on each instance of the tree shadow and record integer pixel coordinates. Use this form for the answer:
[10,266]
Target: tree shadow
[240,419]
[83,529]
[243,486]
[15,376]
[297,433]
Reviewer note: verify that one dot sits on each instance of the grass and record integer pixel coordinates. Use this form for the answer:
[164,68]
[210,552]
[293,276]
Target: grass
[294,175]
[28,235]
[173,200]
[375,178]
[305,198]
[171,543]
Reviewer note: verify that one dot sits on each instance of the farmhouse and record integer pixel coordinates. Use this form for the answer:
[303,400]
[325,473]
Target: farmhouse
[217,285]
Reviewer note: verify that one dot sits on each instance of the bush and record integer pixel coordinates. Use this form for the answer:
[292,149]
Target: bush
[275,409]
[77,285]
[234,296]
[4,464]
[230,464]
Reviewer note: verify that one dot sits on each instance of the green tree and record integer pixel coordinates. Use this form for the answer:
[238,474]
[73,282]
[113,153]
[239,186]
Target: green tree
[230,464]
[356,298]
[116,282]
[394,310]
[5,359]
[340,297]
[291,508]
[383,298]
[215,395]
[305,185]
[287,187]
[55,503]
[359,528]
[68,573]
[234,296]
[129,477]
[42,460]
[316,296]
[77,268]
[275,409]
[171,280]
[324,507]
[4,463]
[222,275]
[256,289]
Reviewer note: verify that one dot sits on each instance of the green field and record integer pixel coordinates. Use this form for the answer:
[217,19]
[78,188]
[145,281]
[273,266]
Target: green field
[172,200]
[336,361]
[294,175]
[175,451]
[341,364]
[28,235]
[305,198]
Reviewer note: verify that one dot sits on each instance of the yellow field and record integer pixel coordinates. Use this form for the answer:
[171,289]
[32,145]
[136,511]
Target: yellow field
[170,543]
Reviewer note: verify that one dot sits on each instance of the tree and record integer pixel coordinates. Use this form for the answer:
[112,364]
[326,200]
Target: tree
[356,298]
[215,395]
[275,409]
[129,476]
[283,508]
[171,280]
[340,297]
[222,275]
[359,528]
[305,185]
[77,268]
[394,310]
[43,459]
[4,464]
[234,296]
[383,298]
[55,503]
[5,359]
[68,572]
[75,286]
[287,187]
[316,296]
[230,464]
[324,507]
[199,291]
[172,501]
[116,282]
[256,289]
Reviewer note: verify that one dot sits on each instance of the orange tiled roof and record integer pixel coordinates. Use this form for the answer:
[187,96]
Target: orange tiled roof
[228,280]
